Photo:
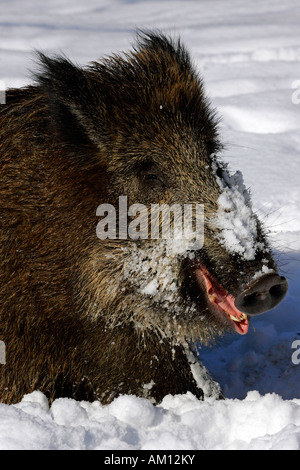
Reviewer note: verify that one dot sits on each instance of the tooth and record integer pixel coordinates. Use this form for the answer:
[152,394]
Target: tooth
[241,318]
[234,318]
[212,298]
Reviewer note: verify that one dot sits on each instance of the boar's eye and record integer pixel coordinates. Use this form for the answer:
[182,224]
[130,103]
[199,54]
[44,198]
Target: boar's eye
[152,177]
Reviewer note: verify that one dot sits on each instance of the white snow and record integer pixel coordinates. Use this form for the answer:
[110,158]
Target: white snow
[129,423]
[249,56]
[235,219]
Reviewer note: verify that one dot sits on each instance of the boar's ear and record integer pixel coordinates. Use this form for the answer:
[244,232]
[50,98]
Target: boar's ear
[75,102]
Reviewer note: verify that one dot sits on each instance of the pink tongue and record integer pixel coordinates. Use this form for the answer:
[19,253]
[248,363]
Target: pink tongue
[227,304]
[223,300]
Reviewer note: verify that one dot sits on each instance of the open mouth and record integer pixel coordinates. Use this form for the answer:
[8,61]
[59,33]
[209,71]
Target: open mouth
[222,302]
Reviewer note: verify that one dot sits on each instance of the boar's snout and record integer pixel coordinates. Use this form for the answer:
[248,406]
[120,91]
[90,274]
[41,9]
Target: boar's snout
[262,295]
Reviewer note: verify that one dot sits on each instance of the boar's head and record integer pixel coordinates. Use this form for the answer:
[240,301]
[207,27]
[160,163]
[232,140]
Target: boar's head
[155,135]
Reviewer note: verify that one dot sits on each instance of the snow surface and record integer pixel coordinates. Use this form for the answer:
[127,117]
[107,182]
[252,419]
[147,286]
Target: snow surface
[249,55]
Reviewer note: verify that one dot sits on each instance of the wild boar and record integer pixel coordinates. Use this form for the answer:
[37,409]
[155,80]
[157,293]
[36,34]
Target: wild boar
[92,317]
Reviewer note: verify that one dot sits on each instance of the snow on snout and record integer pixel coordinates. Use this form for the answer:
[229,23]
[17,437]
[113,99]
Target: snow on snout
[235,220]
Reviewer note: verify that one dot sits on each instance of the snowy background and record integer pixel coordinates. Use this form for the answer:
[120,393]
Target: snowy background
[249,55]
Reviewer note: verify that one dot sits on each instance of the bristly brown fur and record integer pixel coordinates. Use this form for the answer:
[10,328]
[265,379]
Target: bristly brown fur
[72,314]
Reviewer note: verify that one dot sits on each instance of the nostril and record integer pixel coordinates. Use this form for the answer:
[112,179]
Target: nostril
[250,299]
[263,295]
[278,290]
